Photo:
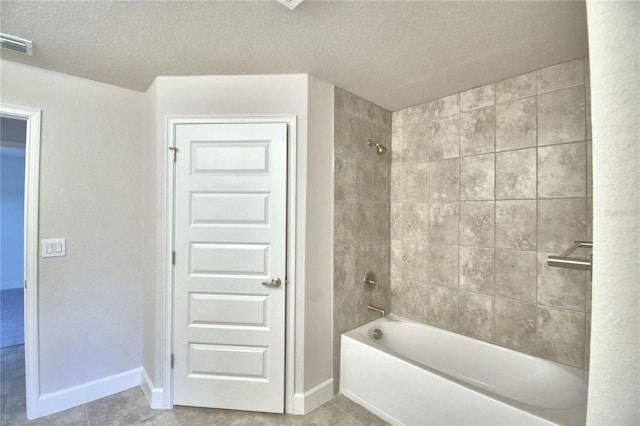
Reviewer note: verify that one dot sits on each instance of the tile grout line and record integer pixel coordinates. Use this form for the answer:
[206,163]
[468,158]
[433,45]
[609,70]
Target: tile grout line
[495,197]
[535,345]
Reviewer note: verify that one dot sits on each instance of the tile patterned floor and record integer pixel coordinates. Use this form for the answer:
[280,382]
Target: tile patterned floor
[131,408]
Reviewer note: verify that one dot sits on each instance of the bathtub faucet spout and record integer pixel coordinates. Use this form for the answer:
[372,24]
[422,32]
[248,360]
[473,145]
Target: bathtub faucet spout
[375,309]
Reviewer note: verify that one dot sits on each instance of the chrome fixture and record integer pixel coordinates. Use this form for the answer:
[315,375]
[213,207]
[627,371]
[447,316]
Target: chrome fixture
[376,334]
[276,282]
[16,44]
[566,261]
[375,309]
[380,149]
[370,281]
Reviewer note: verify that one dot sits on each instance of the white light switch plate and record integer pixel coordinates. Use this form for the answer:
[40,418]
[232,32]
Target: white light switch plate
[54,247]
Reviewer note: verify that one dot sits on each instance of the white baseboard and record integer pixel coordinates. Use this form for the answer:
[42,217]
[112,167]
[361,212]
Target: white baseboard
[77,395]
[304,403]
[154,395]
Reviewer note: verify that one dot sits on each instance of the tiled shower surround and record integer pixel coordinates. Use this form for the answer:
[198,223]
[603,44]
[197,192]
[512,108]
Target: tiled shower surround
[361,214]
[484,185]
[477,189]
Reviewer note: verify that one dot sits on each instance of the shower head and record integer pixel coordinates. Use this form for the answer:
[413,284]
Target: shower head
[380,149]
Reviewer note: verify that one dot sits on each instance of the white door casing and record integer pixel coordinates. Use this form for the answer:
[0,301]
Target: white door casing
[230,238]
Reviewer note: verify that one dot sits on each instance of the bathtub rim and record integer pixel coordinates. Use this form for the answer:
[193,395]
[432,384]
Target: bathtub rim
[562,416]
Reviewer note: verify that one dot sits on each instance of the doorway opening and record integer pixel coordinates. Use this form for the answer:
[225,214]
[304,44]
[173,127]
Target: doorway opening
[20,135]
[13,138]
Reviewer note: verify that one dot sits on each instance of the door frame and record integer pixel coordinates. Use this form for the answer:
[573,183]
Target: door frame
[290,121]
[31,196]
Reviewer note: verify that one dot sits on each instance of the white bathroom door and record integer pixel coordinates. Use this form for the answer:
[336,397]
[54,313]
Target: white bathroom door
[229,273]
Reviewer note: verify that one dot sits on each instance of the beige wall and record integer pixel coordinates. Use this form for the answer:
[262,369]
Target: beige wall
[361,215]
[319,244]
[485,184]
[102,307]
[614,379]
[152,320]
[90,304]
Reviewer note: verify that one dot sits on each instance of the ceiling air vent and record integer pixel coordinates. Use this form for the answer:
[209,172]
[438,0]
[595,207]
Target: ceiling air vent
[291,4]
[16,44]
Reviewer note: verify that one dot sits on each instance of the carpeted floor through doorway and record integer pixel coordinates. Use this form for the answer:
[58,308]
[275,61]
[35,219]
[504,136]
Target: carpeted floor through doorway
[11,317]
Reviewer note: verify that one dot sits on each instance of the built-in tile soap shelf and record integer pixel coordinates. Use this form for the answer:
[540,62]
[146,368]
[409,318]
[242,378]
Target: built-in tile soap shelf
[565,260]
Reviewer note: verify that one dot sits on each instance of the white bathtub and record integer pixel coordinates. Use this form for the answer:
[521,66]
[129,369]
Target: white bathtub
[421,375]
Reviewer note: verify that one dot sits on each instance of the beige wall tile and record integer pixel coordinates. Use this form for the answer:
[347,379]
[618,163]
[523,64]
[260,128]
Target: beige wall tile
[364,297]
[443,136]
[561,76]
[364,185]
[443,107]
[516,275]
[416,113]
[415,142]
[516,174]
[562,170]
[365,262]
[516,124]
[344,316]
[414,261]
[344,180]
[443,265]
[344,222]
[397,142]
[381,222]
[477,131]
[587,111]
[589,169]
[396,183]
[396,259]
[363,231]
[517,87]
[364,181]
[344,263]
[587,341]
[477,177]
[477,269]
[560,335]
[410,299]
[415,182]
[560,222]
[443,180]
[477,223]
[443,223]
[561,116]
[476,315]
[396,221]
[590,219]
[561,287]
[515,325]
[344,101]
[505,214]
[344,130]
[380,184]
[415,221]
[477,98]
[363,130]
[516,225]
[443,307]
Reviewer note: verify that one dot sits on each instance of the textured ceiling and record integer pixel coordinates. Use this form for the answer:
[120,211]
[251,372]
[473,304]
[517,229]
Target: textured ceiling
[393,53]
